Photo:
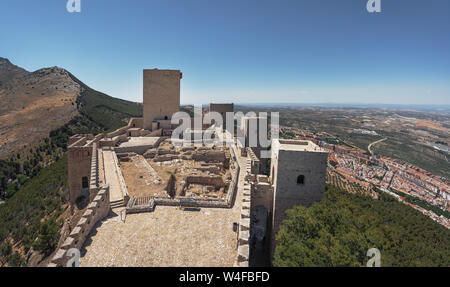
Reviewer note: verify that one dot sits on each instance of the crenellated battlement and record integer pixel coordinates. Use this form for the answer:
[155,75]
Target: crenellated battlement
[96,211]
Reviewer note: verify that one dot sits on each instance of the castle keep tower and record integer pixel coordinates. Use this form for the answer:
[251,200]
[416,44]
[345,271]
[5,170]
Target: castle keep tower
[298,174]
[161,97]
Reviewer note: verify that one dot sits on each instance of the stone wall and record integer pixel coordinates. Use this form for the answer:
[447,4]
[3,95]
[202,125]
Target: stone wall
[96,211]
[232,189]
[123,186]
[111,142]
[76,138]
[243,255]
[243,151]
[134,207]
[255,162]
[95,139]
[262,193]
[214,180]
[166,157]
[213,168]
[133,123]
[139,149]
[94,179]
[209,156]
[170,187]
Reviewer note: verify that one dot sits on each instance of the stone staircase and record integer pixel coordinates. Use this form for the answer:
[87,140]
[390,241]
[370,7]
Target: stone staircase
[117,203]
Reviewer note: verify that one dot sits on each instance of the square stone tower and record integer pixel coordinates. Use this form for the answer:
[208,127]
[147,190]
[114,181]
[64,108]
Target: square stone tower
[79,157]
[161,97]
[222,109]
[298,174]
[252,130]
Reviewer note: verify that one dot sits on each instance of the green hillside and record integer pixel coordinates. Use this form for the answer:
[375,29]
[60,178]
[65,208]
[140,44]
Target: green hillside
[35,189]
[107,112]
[340,229]
[40,198]
[98,113]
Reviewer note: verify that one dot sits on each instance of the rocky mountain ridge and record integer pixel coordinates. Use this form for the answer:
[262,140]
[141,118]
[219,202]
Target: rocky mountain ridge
[33,103]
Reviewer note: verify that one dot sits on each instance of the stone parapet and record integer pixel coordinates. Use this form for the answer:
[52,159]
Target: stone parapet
[255,167]
[94,178]
[242,259]
[96,211]
[123,186]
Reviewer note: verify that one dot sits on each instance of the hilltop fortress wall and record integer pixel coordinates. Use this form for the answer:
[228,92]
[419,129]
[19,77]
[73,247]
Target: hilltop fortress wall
[297,172]
[96,211]
[123,186]
[84,167]
[94,178]
[255,162]
[134,123]
[243,244]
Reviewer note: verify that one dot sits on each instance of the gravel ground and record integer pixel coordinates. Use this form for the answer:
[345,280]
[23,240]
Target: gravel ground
[168,236]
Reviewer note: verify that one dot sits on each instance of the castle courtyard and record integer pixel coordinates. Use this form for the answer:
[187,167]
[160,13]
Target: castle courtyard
[169,236]
[159,200]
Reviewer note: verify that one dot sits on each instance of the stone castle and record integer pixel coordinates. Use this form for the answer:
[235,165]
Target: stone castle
[139,168]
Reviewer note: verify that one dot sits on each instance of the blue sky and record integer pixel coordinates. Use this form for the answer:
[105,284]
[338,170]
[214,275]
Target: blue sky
[242,51]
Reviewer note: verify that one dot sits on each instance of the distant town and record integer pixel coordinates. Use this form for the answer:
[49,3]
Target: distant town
[357,170]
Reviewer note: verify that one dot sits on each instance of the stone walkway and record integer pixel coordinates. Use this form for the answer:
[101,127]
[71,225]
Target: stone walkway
[111,176]
[168,236]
